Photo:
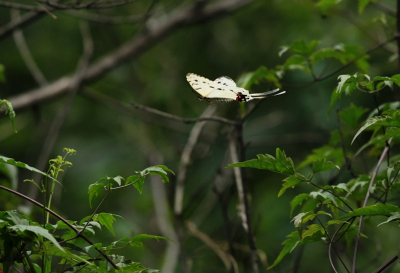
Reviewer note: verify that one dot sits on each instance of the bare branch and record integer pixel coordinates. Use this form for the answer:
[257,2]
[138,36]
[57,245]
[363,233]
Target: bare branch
[89,5]
[226,258]
[243,203]
[100,18]
[25,53]
[378,165]
[132,49]
[184,120]
[19,6]
[179,189]
[24,20]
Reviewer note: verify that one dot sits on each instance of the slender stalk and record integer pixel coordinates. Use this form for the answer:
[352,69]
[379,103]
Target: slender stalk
[366,200]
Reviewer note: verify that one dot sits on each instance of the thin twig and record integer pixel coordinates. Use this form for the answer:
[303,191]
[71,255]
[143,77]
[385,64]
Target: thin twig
[348,162]
[387,264]
[24,20]
[330,241]
[181,176]
[180,119]
[100,18]
[244,210]
[226,258]
[366,200]
[25,52]
[162,214]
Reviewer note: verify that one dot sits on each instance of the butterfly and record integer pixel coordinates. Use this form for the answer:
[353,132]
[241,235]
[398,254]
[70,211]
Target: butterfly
[224,89]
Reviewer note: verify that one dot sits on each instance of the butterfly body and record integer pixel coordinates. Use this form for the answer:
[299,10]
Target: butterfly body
[223,90]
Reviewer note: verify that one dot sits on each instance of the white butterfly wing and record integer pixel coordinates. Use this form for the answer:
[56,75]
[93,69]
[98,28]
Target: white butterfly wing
[224,80]
[218,91]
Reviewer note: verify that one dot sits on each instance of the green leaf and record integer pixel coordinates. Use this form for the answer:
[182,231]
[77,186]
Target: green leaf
[293,241]
[380,121]
[328,152]
[296,62]
[396,79]
[298,200]
[246,80]
[377,209]
[380,140]
[325,195]
[342,80]
[11,161]
[383,107]
[39,231]
[289,244]
[301,47]
[136,240]
[290,182]
[311,229]
[325,5]
[280,164]
[351,115]
[321,165]
[139,184]
[94,190]
[395,216]
[107,220]
[337,52]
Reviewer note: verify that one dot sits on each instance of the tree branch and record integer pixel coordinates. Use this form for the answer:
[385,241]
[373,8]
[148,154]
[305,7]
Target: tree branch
[154,33]
[366,200]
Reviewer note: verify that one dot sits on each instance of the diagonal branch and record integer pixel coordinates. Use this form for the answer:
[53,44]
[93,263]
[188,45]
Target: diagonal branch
[185,16]
[366,200]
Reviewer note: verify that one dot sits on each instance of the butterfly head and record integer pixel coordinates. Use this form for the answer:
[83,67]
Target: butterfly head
[240,97]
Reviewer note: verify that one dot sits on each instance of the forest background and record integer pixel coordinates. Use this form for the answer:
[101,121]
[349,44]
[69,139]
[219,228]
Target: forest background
[93,76]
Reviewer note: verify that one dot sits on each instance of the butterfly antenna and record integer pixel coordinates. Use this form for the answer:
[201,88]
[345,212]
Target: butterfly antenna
[274,92]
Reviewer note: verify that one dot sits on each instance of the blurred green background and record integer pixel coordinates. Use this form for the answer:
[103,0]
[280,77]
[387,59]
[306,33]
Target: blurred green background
[113,141]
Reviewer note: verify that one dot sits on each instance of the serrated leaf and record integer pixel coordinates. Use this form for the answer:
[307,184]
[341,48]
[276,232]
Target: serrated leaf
[298,200]
[311,229]
[246,80]
[325,195]
[293,241]
[280,164]
[321,165]
[377,209]
[107,220]
[301,47]
[289,182]
[380,121]
[396,79]
[328,152]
